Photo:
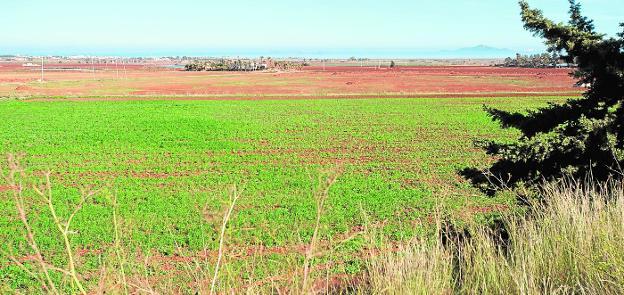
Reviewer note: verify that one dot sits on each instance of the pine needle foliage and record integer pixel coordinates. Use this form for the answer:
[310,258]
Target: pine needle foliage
[579,137]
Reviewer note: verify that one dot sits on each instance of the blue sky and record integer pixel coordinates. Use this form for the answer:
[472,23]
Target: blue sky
[119,27]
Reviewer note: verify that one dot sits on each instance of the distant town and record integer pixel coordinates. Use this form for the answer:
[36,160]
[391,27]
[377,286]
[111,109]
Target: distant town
[224,63]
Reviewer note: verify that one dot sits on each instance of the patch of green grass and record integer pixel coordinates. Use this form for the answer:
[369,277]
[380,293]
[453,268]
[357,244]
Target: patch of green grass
[169,163]
[59,84]
[264,82]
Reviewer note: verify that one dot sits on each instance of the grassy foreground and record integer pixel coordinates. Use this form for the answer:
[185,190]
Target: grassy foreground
[572,244]
[155,176]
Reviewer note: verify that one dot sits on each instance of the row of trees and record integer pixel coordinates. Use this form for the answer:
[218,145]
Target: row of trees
[241,65]
[225,65]
[544,60]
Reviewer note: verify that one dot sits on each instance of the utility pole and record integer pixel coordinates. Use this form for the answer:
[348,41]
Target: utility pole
[92,68]
[42,69]
[123,62]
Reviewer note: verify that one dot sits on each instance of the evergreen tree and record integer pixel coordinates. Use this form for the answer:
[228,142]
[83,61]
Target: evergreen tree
[580,137]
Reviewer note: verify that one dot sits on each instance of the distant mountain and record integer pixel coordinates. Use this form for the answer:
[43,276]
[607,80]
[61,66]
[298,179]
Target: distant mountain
[479,51]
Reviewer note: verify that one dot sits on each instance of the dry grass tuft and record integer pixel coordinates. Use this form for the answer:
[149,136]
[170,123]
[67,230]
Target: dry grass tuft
[572,243]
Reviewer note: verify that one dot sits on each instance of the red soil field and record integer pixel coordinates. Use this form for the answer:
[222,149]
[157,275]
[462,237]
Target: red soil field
[155,81]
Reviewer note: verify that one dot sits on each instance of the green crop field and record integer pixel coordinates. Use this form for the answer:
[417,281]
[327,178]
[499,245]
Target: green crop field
[170,165]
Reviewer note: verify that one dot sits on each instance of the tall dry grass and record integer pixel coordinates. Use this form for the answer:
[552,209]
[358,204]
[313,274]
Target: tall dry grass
[572,243]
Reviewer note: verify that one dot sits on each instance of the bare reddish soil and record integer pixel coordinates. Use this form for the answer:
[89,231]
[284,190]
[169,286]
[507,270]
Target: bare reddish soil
[152,81]
[4,188]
